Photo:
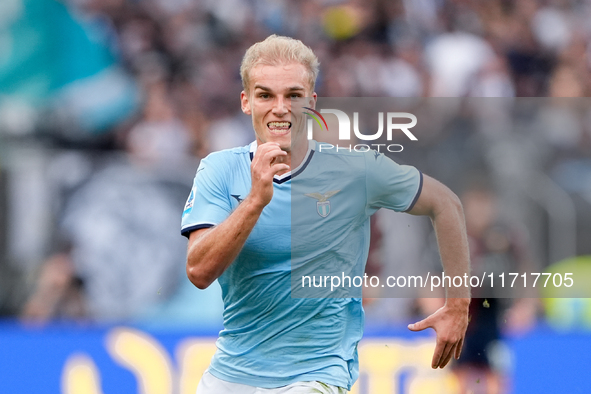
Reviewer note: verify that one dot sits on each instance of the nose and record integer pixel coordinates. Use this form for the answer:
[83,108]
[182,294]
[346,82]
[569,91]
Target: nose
[280,107]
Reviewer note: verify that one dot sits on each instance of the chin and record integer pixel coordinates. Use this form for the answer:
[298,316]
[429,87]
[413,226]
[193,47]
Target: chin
[284,140]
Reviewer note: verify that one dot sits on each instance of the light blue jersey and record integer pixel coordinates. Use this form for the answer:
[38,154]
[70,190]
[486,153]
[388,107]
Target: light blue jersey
[269,338]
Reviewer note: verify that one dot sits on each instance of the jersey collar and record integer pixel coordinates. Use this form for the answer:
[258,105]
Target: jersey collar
[288,175]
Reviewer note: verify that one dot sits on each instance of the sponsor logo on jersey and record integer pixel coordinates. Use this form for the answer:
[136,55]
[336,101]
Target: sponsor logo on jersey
[237,197]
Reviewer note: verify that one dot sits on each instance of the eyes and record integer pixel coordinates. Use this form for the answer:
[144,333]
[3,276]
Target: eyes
[267,96]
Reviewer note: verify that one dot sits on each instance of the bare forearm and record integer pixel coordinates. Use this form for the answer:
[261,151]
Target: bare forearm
[450,228]
[212,251]
[445,210]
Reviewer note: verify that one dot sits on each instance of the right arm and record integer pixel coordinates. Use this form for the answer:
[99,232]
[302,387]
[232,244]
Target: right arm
[212,250]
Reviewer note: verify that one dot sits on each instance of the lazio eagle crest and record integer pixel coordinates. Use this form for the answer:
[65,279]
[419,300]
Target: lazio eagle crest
[322,205]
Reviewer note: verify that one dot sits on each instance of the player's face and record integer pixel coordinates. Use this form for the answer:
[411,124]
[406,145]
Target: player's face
[269,102]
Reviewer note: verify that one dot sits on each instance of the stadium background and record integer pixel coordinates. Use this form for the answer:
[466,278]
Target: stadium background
[107,106]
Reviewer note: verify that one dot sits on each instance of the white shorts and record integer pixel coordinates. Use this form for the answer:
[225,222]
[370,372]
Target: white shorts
[209,384]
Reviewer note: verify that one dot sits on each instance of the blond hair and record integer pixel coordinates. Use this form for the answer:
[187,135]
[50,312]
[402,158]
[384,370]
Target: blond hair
[276,50]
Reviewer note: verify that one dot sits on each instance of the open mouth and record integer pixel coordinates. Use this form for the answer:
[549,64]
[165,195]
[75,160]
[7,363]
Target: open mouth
[279,127]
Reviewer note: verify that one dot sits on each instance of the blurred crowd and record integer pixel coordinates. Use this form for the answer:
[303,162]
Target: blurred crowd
[90,209]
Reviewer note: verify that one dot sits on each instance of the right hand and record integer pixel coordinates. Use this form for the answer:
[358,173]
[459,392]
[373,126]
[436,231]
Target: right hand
[267,162]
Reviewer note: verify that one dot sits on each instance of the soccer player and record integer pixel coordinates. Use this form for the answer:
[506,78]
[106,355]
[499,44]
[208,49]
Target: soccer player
[238,221]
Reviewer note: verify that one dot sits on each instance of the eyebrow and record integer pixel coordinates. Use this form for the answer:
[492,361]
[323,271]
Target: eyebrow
[292,88]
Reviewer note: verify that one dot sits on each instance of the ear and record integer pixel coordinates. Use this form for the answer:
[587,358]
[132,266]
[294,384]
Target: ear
[313,100]
[245,103]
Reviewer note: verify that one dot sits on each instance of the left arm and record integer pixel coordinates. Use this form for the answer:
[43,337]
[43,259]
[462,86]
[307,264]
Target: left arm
[449,322]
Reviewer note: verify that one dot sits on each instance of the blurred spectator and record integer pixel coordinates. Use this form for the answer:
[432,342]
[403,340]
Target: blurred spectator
[454,60]
[58,294]
[160,136]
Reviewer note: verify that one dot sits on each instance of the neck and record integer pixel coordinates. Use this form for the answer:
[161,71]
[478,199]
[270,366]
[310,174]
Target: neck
[298,152]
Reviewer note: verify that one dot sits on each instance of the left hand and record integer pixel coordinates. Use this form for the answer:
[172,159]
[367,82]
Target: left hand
[450,323]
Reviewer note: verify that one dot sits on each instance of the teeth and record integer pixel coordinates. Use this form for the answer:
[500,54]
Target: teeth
[279,124]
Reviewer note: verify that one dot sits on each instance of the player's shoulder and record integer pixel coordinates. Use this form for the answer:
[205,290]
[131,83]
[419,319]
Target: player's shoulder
[224,163]
[229,154]
[227,158]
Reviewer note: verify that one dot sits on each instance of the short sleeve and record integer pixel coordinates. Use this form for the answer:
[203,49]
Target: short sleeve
[208,203]
[391,185]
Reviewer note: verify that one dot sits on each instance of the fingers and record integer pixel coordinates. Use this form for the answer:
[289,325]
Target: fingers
[421,325]
[459,349]
[439,348]
[267,162]
[438,354]
[442,357]
[278,165]
[269,152]
[444,350]
[445,358]
[450,326]
[268,159]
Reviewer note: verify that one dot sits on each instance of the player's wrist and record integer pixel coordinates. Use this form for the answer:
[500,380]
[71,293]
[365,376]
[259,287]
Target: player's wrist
[255,203]
[458,303]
